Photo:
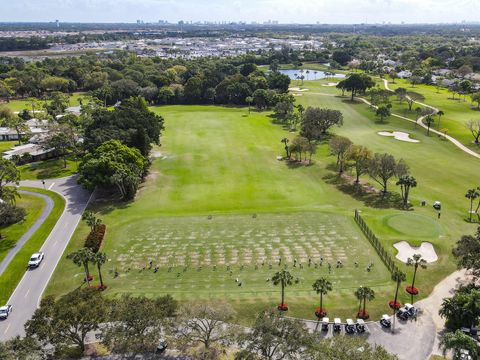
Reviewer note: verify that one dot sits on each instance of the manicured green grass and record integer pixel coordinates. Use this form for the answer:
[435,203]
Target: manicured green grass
[6,145]
[14,272]
[19,105]
[457,112]
[48,169]
[34,207]
[221,161]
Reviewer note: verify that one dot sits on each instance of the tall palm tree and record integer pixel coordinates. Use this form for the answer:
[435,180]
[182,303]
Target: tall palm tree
[398,276]
[440,113]
[359,295]
[322,286]
[458,341]
[99,259]
[284,278]
[81,258]
[286,141]
[368,295]
[472,194]
[429,121]
[416,261]
[307,72]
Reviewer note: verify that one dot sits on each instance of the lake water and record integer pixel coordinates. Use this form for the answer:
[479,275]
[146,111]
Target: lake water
[312,75]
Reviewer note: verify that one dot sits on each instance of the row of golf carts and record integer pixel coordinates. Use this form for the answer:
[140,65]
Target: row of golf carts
[351,327]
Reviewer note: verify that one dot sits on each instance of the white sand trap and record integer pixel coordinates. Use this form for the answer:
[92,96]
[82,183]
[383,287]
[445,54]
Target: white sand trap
[330,84]
[405,250]
[297,94]
[398,135]
[297,89]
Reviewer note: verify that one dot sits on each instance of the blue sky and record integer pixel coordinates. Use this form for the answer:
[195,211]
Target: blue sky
[286,11]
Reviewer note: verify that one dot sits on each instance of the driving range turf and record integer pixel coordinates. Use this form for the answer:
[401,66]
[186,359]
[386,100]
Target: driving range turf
[220,162]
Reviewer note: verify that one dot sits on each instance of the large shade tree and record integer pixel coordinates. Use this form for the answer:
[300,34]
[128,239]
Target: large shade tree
[356,83]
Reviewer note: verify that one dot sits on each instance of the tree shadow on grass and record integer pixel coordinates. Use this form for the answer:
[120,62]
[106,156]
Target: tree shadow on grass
[369,198]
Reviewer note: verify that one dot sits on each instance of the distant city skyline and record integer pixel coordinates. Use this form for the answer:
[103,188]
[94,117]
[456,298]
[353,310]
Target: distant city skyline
[283,11]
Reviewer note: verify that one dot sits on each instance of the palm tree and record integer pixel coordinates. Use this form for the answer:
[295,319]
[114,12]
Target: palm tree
[285,141]
[307,72]
[315,72]
[458,341]
[429,121]
[359,295]
[322,286]
[398,276]
[99,259]
[440,113]
[249,101]
[284,278]
[81,258]
[472,194]
[406,182]
[416,261]
[91,220]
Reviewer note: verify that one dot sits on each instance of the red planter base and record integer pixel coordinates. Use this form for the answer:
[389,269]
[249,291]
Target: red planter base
[320,313]
[282,307]
[412,290]
[394,305]
[99,287]
[363,315]
[90,278]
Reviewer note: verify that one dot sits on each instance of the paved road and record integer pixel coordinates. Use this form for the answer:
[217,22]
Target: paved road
[25,237]
[28,293]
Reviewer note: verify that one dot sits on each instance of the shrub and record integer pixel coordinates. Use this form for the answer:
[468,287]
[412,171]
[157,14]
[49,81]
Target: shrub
[10,214]
[95,238]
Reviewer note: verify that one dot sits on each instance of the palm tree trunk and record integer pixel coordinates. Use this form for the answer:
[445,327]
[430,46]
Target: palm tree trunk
[100,275]
[321,302]
[414,276]
[87,275]
[283,292]
[364,304]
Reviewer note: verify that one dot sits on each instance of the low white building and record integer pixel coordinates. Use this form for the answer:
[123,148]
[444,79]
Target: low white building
[36,127]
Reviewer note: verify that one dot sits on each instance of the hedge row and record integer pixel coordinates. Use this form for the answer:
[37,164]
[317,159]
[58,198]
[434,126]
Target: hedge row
[384,255]
[95,238]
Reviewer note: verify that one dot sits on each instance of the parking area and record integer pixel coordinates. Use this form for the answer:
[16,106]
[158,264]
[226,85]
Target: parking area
[411,340]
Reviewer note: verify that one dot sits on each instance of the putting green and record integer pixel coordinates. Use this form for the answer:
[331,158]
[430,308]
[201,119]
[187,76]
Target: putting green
[413,225]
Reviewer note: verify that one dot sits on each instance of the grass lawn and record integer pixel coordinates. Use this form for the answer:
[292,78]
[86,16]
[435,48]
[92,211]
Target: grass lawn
[48,169]
[19,105]
[221,161]
[34,207]
[7,145]
[457,112]
[15,270]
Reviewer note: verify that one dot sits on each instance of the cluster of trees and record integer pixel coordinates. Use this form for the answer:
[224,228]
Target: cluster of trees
[462,310]
[356,83]
[118,143]
[119,76]
[9,178]
[380,167]
[135,325]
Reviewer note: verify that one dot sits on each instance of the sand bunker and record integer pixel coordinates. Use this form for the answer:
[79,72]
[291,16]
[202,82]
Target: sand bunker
[330,84]
[297,94]
[398,135]
[297,89]
[405,250]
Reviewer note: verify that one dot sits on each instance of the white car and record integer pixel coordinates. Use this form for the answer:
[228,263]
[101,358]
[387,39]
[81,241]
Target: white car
[5,311]
[35,260]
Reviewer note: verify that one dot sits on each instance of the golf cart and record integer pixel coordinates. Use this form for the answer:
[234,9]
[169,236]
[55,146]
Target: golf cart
[350,327]
[407,311]
[337,324]
[465,355]
[360,325]
[162,346]
[385,321]
[325,322]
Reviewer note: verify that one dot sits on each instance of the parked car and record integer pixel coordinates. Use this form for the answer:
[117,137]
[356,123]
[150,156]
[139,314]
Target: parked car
[337,324]
[325,322]
[360,325]
[386,321]
[36,260]
[350,327]
[5,311]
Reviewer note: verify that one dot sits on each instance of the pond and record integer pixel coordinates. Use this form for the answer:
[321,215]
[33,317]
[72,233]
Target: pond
[308,74]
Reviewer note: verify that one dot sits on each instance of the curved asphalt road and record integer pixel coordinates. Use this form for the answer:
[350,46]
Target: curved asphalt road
[28,293]
[18,245]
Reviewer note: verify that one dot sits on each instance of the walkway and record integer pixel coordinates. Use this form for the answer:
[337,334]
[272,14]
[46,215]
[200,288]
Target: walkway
[28,293]
[28,234]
